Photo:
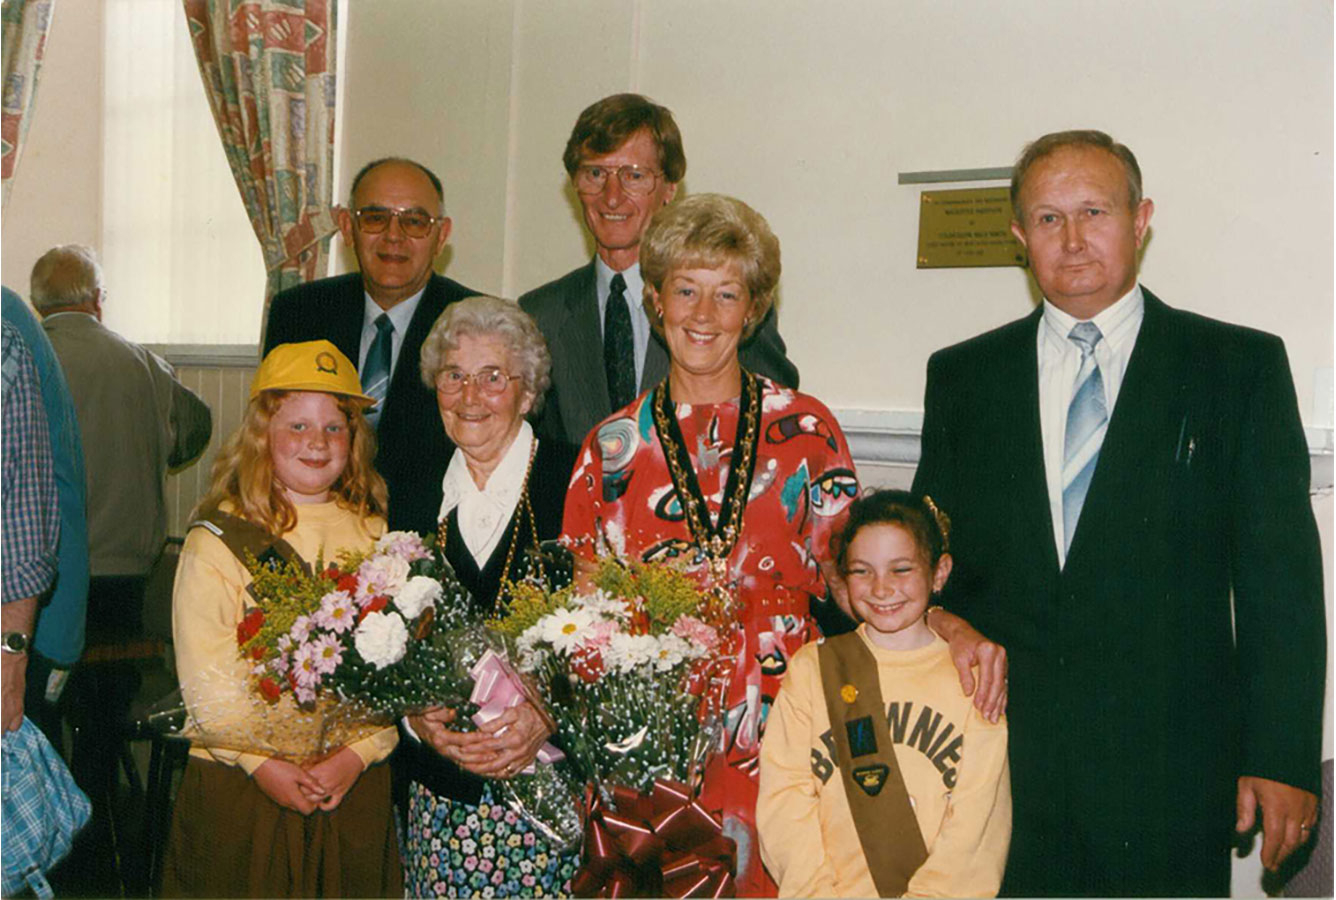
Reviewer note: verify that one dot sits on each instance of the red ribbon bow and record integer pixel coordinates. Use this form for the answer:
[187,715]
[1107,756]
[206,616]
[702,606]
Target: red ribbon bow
[661,844]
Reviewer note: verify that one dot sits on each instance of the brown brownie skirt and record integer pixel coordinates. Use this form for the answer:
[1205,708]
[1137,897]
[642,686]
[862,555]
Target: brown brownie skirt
[230,840]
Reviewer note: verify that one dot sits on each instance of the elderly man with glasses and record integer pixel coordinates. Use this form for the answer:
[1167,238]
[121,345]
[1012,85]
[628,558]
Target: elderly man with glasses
[625,161]
[396,224]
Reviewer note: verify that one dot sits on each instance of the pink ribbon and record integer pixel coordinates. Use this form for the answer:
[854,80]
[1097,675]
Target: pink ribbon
[497,688]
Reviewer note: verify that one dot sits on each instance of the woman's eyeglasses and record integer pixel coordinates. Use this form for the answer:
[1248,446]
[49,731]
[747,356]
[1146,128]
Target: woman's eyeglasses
[490,380]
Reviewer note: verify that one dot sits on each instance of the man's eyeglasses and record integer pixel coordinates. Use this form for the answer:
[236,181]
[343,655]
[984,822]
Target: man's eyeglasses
[490,380]
[634,179]
[413,222]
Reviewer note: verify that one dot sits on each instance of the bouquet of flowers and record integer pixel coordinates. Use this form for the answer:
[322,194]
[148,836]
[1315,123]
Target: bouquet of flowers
[325,658]
[634,673]
[336,653]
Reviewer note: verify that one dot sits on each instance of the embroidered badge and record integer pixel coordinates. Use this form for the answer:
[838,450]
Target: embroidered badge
[848,693]
[862,736]
[871,778]
[325,362]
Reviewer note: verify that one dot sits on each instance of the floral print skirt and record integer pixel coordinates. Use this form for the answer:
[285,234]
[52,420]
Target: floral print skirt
[455,849]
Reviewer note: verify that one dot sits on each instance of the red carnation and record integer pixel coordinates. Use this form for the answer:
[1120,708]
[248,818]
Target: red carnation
[587,663]
[250,625]
[257,652]
[376,605]
[348,583]
[270,689]
[332,571]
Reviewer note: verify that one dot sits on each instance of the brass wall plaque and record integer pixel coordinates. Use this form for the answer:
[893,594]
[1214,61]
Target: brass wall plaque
[969,227]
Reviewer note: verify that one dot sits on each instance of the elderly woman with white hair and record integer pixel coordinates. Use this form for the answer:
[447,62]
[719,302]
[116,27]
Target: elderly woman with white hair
[503,492]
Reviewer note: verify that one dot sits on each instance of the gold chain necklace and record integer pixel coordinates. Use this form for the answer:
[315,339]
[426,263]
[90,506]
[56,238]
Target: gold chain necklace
[715,541]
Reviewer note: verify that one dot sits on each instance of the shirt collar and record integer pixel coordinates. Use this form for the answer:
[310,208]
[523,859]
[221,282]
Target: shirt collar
[400,313]
[504,485]
[1113,321]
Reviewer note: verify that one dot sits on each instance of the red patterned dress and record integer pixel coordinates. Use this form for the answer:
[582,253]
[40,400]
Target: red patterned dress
[622,494]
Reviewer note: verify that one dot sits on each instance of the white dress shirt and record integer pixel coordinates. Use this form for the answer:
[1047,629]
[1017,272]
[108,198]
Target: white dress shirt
[484,514]
[1059,363]
[635,289]
[401,314]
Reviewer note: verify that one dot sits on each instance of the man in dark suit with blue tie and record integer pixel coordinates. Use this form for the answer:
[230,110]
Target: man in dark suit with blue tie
[396,224]
[625,160]
[1115,470]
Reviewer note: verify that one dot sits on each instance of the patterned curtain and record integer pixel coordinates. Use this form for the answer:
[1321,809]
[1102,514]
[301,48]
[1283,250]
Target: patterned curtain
[26,23]
[268,69]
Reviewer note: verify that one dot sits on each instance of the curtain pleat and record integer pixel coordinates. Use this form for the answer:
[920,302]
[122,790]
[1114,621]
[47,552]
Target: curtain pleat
[26,23]
[268,70]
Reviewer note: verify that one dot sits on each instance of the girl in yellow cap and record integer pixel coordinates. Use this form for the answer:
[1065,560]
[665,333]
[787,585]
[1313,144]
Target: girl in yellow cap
[299,469]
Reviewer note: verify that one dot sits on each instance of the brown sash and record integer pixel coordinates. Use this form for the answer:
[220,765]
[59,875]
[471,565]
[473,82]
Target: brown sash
[243,536]
[882,813]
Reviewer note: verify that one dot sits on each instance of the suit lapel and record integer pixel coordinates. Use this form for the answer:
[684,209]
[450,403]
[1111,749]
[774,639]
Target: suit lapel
[346,322]
[656,363]
[580,335]
[1142,433]
[429,308]
[1016,381]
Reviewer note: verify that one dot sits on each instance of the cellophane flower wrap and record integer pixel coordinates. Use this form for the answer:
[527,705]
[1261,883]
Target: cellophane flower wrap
[425,646]
[634,672]
[330,655]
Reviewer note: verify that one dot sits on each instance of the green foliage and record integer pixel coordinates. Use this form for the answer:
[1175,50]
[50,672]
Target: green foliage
[668,592]
[527,604]
[288,592]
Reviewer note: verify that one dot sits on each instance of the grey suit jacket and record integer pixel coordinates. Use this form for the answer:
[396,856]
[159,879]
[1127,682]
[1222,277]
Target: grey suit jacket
[566,311]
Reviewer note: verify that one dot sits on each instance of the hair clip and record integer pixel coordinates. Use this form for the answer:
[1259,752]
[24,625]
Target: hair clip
[943,522]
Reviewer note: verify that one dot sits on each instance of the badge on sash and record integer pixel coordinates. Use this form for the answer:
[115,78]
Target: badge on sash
[871,778]
[862,736]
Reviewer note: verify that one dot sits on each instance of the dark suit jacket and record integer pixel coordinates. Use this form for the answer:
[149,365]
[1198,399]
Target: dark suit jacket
[551,474]
[414,450]
[1130,708]
[567,313]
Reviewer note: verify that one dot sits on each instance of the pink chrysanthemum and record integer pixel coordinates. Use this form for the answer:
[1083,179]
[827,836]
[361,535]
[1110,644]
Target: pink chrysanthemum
[305,666]
[328,653]
[337,612]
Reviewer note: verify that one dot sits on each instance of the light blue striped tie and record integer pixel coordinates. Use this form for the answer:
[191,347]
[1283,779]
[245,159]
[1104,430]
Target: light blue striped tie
[376,371]
[1087,420]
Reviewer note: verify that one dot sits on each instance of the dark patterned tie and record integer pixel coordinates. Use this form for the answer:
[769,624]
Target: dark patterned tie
[619,352]
[376,372]
[1087,420]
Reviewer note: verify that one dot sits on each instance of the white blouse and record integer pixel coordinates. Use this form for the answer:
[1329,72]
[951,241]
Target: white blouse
[484,514]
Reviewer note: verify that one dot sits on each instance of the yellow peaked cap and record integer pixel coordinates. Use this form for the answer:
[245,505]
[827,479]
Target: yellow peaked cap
[308,366]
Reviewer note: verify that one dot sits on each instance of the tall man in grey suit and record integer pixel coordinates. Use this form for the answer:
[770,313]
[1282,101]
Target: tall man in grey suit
[1115,469]
[625,159]
[396,224]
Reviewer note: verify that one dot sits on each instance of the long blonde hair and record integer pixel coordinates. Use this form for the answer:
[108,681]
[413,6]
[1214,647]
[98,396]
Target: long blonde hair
[243,473]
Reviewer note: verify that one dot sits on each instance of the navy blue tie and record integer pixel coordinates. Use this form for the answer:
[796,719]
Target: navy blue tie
[619,353]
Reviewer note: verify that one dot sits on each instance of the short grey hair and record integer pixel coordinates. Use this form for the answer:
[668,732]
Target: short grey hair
[491,317]
[68,275]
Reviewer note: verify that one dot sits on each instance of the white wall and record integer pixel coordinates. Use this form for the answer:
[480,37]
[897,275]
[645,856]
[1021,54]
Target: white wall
[808,111]
[57,193]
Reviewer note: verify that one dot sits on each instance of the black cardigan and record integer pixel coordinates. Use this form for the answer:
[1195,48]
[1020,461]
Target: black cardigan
[553,463]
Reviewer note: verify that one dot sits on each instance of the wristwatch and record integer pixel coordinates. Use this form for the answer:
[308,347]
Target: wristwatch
[14,642]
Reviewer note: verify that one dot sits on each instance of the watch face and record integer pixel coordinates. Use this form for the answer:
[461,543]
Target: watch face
[15,642]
